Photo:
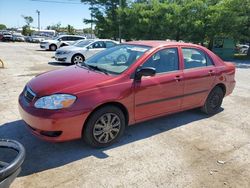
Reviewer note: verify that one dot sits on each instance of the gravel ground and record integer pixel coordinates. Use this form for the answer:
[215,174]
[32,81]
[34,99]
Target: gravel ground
[187,149]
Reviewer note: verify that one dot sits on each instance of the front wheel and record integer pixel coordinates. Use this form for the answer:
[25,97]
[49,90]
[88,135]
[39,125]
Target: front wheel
[52,47]
[77,59]
[104,127]
[214,101]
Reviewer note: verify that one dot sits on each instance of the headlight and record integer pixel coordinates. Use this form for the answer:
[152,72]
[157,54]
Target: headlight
[57,101]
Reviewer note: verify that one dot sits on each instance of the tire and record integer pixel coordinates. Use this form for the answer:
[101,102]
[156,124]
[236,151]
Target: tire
[97,127]
[213,101]
[52,47]
[77,58]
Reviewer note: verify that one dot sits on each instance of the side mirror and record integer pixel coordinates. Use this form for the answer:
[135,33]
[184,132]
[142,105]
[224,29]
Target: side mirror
[59,40]
[146,71]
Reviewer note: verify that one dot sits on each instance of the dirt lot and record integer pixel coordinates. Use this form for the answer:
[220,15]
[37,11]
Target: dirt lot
[180,150]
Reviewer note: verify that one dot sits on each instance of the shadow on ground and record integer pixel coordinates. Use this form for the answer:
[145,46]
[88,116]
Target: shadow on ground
[43,50]
[41,155]
[59,63]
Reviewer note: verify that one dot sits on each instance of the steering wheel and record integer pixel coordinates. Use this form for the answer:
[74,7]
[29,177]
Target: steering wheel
[9,171]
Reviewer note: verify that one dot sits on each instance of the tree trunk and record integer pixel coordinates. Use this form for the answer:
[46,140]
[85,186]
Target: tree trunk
[210,44]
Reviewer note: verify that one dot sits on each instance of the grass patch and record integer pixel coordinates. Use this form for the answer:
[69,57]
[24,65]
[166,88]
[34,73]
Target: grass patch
[241,57]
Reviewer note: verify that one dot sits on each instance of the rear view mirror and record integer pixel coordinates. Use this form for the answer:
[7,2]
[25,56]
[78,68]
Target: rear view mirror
[146,71]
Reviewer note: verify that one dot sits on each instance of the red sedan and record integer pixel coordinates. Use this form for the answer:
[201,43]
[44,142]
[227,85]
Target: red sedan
[123,85]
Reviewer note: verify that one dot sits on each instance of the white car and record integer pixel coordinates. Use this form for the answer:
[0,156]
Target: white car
[82,50]
[18,37]
[243,49]
[60,41]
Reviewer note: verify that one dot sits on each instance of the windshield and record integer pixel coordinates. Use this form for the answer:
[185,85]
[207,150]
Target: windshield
[117,59]
[82,43]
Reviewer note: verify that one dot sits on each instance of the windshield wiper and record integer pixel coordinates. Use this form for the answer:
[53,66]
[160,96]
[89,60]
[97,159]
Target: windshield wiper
[85,65]
[94,67]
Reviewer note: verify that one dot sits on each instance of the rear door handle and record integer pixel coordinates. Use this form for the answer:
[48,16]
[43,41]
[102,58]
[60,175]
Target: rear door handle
[178,78]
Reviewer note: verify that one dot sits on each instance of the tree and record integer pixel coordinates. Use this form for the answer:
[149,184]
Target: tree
[196,21]
[105,17]
[56,27]
[70,30]
[27,31]
[2,27]
[28,20]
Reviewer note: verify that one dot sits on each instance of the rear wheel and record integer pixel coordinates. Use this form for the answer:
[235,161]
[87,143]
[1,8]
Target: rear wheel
[214,101]
[52,47]
[104,127]
[78,58]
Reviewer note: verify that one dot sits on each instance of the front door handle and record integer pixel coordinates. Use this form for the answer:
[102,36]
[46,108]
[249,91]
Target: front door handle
[178,78]
[211,72]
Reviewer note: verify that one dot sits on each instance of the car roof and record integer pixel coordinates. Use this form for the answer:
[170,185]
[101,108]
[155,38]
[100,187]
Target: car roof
[71,36]
[157,43]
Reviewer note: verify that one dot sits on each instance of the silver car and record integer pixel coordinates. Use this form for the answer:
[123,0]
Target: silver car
[60,41]
[82,50]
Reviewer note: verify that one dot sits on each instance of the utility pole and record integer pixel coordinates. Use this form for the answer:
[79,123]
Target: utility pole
[38,14]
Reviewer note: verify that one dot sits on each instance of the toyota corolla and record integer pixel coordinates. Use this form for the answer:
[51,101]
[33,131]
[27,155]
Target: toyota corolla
[123,85]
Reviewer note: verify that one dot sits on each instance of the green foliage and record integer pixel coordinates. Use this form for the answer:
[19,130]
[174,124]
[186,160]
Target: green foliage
[27,31]
[70,30]
[105,17]
[2,27]
[56,27]
[26,28]
[28,20]
[189,20]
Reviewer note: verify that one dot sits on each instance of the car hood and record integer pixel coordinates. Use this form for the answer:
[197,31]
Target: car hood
[70,48]
[73,80]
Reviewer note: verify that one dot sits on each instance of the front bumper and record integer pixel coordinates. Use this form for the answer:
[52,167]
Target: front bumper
[40,121]
[44,46]
[63,58]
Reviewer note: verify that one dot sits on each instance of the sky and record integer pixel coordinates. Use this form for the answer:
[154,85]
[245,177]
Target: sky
[71,12]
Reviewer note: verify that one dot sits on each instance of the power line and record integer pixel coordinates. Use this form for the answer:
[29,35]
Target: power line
[59,2]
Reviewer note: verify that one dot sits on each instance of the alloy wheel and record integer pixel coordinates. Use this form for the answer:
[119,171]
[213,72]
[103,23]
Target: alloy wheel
[107,128]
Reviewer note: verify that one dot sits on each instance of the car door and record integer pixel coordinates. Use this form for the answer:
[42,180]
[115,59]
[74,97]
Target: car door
[162,93]
[199,75]
[94,48]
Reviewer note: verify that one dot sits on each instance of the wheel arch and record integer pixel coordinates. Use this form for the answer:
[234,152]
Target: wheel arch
[116,104]
[222,86]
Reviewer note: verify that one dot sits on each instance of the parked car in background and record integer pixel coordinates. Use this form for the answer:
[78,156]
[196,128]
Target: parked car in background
[82,50]
[35,38]
[243,49]
[7,36]
[60,41]
[123,85]
[18,37]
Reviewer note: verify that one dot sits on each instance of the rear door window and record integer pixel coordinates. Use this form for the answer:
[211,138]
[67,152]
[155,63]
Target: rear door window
[194,58]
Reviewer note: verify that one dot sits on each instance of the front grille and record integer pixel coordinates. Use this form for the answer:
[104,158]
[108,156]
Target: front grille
[29,95]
